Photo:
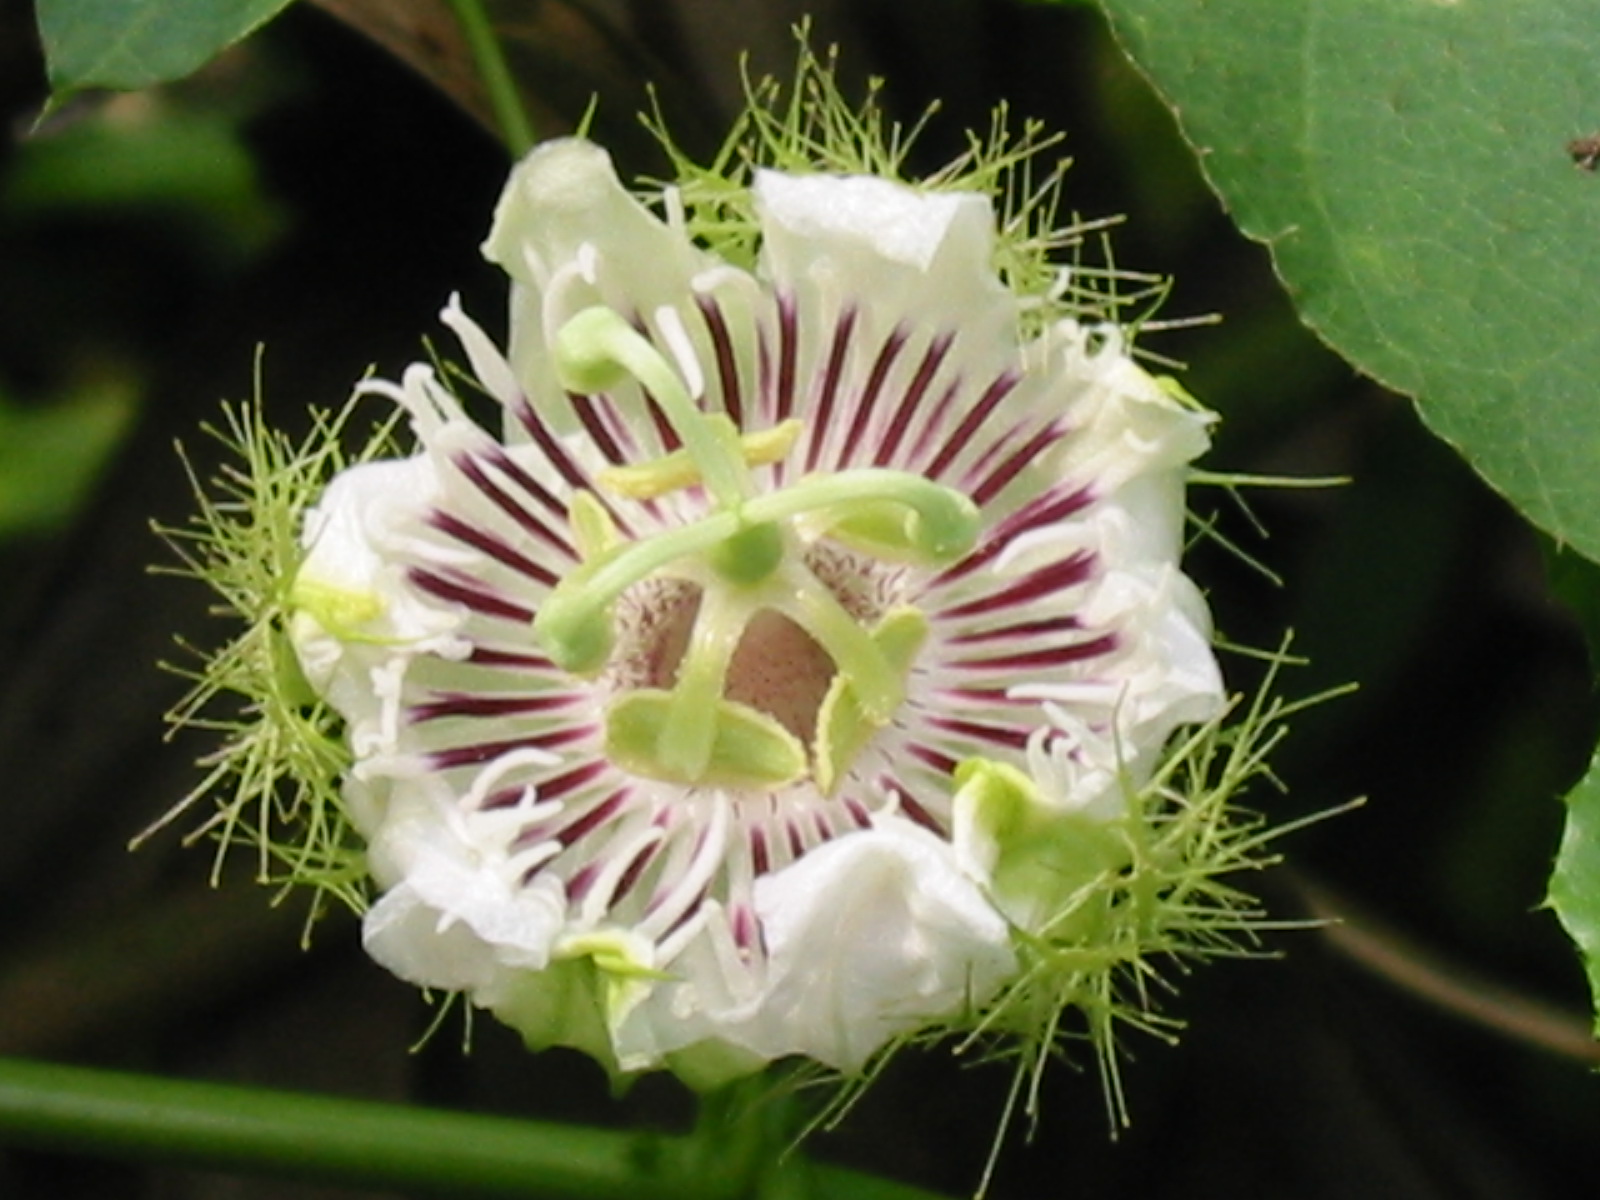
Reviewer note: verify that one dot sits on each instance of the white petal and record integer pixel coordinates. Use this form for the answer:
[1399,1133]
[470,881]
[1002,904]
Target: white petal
[919,256]
[457,915]
[1124,423]
[563,196]
[873,934]
[402,934]
[356,613]
[810,216]
[571,236]
[360,511]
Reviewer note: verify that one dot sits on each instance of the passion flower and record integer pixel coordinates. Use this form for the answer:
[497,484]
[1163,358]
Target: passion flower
[799,665]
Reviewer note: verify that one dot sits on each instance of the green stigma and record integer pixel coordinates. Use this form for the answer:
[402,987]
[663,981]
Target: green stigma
[598,350]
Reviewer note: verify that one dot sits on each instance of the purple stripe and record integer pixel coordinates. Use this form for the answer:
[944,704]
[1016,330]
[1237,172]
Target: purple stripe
[689,911]
[581,880]
[485,656]
[742,924]
[1020,458]
[843,331]
[524,519]
[492,546]
[664,430]
[554,452]
[589,417]
[1069,572]
[987,403]
[722,348]
[1051,656]
[787,352]
[868,399]
[510,797]
[609,413]
[468,704]
[935,421]
[634,870]
[466,594]
[910,807]
[1040,511]
[1019,630]
[932,359]
[596,816]
[482,752]
[565,465]
[936,759]
[999,735]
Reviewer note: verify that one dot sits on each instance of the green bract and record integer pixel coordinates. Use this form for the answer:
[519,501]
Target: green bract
[275,776]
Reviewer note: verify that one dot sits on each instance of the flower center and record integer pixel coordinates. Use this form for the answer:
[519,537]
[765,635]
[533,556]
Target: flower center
[777,667]
[779,670]
[754,672]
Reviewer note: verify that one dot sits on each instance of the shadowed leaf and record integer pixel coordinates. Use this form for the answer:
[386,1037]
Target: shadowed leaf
[128,44]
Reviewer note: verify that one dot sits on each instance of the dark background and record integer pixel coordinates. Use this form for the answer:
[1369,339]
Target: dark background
[366,197]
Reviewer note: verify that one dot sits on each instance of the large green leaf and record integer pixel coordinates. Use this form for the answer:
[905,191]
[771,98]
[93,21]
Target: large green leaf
[1575,886]
[1407,162]
[136,43]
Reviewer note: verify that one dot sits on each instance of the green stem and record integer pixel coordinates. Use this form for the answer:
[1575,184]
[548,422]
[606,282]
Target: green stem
[504,98]
[690,732]
[359,1142]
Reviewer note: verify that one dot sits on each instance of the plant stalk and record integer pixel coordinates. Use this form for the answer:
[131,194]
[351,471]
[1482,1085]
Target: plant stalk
[509,113]
[372,1144]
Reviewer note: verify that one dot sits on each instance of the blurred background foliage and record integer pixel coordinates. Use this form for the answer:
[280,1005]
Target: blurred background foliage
[312,194]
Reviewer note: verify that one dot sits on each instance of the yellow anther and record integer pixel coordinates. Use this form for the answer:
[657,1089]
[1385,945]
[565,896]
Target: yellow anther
[677,470]
[339,610]
[592,527]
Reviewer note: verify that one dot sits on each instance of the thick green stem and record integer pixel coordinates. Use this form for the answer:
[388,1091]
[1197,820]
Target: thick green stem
[690,732]
[504,98]
[46,1106]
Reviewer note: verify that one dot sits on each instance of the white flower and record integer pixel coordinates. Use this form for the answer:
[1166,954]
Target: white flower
[657,696]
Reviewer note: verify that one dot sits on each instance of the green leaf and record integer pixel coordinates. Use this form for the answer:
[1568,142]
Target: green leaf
[1575,885]
[169,162]
[129,44]
[50,456]
[1408,163]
